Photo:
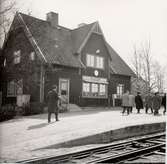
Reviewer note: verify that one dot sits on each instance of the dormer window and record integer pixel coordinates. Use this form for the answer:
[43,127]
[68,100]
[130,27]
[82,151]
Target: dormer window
[32,56]
[17,56]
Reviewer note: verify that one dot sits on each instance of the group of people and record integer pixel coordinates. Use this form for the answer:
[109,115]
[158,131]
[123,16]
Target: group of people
[152,102]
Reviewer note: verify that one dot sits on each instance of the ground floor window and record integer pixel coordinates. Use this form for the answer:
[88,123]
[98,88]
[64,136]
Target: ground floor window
[14,88]
[120,89]
[94,90]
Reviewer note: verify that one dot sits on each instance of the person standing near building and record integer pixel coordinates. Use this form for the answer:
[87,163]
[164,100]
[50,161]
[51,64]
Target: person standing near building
[164,103]
[138,102]
[125,102]
[148,103]
[156,103]
[52,100]
[131,102]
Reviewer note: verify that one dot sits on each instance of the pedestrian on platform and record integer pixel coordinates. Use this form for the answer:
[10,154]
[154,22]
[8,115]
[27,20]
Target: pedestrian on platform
[52,100]
[156,103]
[125,102]
[131,102]
[148,102]
[138,102]
[164,103]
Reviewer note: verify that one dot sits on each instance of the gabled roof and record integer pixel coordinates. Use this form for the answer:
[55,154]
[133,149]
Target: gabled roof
[55,43]
[59,45]
[118,66]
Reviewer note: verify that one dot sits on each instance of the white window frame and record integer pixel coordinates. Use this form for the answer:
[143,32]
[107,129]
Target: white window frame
[120,89]
[95,61]
[17,88]
[17,57]
[32,56]
[94,90]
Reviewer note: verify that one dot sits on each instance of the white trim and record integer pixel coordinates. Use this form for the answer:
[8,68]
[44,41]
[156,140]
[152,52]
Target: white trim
[31,37]
[68,86]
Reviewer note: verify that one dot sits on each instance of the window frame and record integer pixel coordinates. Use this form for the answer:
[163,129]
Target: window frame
[93,63]
[120,89]
[95,94]
[17,57]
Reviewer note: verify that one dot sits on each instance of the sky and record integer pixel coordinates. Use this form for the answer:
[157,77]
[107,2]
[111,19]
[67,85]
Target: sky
[125,23]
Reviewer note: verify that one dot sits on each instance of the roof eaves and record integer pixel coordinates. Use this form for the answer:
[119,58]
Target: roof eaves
[31,38]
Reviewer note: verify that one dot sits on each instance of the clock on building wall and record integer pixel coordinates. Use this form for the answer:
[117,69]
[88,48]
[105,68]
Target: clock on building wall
[96,73]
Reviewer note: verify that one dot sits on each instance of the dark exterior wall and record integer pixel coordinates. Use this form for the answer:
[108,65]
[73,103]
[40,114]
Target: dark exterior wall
[27,70]
[94,43]
[114,81]
[52,78]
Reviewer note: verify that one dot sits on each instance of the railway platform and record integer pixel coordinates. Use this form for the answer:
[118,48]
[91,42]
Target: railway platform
[32,137]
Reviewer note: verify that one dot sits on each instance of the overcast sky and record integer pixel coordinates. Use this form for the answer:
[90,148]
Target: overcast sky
[124,22]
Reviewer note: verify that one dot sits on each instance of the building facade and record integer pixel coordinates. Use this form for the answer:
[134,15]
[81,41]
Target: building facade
[40,53]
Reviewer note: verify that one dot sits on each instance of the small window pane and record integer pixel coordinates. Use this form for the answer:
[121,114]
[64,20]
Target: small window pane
[102,90]
[99,62]
[94,88]
[17,56]
[32,56]
[90,60]
[86,87]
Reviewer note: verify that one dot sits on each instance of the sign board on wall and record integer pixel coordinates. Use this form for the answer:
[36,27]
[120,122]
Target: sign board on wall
[95,79]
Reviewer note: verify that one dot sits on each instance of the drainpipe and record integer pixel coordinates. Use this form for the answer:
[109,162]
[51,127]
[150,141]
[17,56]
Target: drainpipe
[42,83]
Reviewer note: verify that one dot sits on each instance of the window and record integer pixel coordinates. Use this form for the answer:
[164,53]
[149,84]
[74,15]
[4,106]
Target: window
[90,60]
[102,89]
[17,56]
[94,90]
[95,61]
[32,56]
[4,63]
[99,62]
[14,88]
[86,87]
[120,89]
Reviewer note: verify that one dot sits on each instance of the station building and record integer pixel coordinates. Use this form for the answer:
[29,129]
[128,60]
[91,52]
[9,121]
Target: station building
[40,53]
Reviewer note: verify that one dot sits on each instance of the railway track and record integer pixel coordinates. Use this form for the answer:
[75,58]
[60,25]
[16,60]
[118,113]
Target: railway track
[128,151]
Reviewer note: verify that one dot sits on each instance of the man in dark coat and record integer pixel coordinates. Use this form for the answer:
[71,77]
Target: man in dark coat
[156,104]
[164,103]
[125,102]
[138,102]
[148,103]
[52,100]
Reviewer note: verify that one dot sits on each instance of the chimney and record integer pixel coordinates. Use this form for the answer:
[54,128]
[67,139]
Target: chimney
[52,18]
[81,24]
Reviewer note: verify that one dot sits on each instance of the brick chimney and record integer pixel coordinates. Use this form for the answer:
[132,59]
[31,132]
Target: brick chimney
[53,18]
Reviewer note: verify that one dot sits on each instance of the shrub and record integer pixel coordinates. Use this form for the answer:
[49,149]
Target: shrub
[33,108]
[7,112]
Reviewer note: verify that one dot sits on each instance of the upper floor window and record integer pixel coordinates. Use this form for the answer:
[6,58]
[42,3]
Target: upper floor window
[99,62]
[95,61]
[32,56]
[90,60]
[17,56]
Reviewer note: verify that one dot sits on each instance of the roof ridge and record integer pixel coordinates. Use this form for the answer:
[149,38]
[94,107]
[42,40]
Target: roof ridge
[84,26]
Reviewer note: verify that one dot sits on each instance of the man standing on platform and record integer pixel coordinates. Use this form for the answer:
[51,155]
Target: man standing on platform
[164,103]
[52,100]
[125,102]
[139,102]
[148,103]
[131,102]
[156,104]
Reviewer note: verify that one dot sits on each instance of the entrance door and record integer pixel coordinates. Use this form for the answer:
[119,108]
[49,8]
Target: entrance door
[64,89]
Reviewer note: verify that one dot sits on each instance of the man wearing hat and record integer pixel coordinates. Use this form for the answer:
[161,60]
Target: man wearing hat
[52,100]
[139,102]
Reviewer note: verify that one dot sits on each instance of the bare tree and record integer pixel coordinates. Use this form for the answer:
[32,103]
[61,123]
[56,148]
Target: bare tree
[7,10]
[148,77]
